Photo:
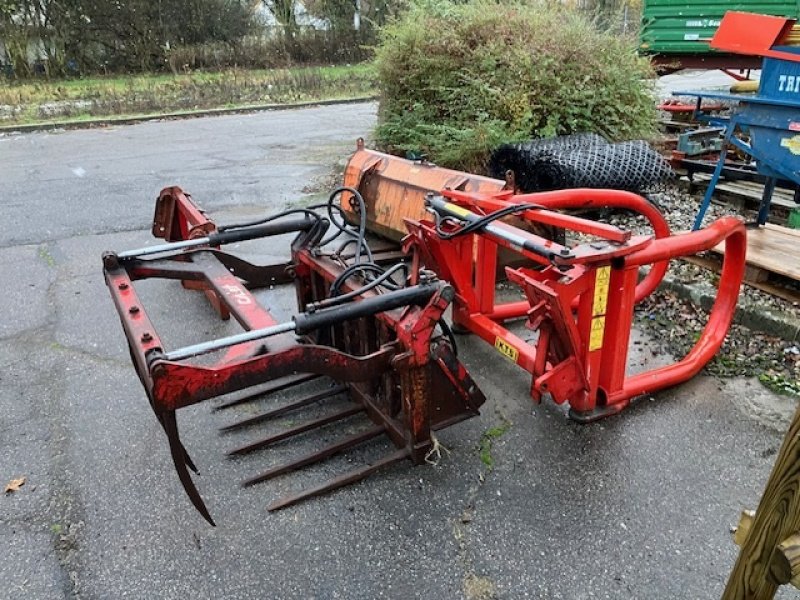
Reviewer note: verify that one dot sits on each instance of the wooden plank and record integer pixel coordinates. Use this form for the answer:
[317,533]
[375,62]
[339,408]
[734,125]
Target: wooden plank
[776,290]
[765,286]
[787,231]
[777,517]
[755,274]
[785,567]
[743,528]
[749,190]
[774,248]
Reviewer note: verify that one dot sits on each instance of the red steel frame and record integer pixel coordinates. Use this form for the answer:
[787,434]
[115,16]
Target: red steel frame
[381,348]
[581,302]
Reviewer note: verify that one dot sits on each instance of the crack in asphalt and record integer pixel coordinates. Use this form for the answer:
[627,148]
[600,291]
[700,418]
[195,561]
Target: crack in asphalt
[63,518]
[65,505]
[475,587]
[39,241]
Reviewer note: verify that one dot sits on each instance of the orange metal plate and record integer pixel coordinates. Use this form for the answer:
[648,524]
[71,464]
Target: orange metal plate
[394,188]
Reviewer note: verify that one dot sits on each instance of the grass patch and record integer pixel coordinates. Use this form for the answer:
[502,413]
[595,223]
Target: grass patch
[44,254]
[488,439]
[780,384]
[83,99]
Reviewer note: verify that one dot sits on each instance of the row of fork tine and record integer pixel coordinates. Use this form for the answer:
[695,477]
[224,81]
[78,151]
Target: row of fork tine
[317,456]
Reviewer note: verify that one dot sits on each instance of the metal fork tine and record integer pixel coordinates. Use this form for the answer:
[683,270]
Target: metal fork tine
[275,388]
[320,455]
[341,480]
[271,414]
[179,460]
[353,410]
[186,458]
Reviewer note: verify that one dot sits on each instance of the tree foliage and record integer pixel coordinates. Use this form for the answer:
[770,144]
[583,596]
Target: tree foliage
[367,16]
[72,35]
[459,79]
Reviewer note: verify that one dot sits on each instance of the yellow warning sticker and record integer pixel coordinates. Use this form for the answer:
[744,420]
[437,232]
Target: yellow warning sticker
[601,282]
[596,334]
[506,349]
[792,143]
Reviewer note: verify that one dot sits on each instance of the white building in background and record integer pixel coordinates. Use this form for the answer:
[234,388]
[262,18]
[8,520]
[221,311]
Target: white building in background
[302,16]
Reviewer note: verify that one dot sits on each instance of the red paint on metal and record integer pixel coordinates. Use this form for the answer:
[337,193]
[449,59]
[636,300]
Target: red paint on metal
[394,188]
[582,303]
[494,202]
[178,218]
[385,359]
[753,34]
[676,106]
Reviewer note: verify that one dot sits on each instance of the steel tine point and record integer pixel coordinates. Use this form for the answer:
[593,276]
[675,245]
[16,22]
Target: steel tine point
[178,459]
[341,480]
[340,446]
[188,459]
[271,414]
[348,412]
[264,393]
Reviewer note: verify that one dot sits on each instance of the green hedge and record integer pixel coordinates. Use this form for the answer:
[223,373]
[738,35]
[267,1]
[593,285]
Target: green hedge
[459,79]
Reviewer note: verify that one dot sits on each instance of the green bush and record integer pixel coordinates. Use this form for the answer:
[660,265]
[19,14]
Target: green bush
[459,79]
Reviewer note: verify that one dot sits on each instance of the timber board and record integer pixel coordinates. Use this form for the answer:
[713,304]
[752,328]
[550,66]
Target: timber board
[749,191]
[772,288]
[772,248]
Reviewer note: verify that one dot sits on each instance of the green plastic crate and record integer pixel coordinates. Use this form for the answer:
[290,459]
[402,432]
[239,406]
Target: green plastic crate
[680,27]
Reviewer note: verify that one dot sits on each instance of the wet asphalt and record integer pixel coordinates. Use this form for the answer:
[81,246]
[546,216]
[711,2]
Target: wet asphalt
[636,506]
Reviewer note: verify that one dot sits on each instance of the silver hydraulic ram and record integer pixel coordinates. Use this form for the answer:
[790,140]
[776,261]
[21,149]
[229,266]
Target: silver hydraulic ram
[516,237]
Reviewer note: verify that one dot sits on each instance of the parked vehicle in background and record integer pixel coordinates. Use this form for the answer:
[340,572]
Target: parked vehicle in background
[676,32]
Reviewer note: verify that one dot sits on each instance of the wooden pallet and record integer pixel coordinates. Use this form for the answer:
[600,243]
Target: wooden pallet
[773,256]
[773,249]
[773,289]
[747,194]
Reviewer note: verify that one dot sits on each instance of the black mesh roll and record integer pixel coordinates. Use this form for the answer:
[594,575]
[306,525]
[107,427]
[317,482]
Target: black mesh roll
[582,160]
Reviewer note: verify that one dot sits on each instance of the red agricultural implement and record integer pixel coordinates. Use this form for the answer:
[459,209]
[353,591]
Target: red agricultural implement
[371,318]
[382,349]
[579,299]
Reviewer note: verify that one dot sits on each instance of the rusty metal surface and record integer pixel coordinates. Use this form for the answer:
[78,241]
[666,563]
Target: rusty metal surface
[73,407]
[320,455]
[178,218]
[282,410]
[389,360]
[378,339]
[394,188]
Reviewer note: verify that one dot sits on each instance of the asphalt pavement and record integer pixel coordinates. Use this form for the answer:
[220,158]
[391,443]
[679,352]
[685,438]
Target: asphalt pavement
[636,506]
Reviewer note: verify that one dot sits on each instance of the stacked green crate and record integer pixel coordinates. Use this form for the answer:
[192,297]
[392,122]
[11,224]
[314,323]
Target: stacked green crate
[681,27]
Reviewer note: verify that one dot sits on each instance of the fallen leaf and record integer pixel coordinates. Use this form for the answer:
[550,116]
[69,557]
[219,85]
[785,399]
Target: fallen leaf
[14,485]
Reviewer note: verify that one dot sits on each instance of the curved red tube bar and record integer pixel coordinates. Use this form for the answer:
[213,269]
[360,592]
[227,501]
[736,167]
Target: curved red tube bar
[732,231]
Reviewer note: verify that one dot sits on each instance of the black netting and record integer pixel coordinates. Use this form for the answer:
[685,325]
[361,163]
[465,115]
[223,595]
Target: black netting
[581,160]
